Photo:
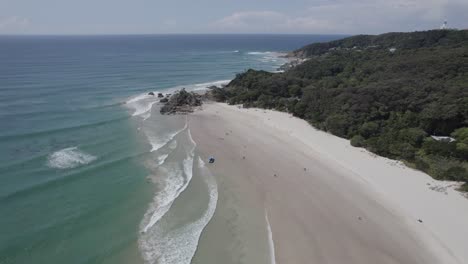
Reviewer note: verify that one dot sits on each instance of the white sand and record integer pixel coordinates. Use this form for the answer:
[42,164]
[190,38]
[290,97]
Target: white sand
[348,206]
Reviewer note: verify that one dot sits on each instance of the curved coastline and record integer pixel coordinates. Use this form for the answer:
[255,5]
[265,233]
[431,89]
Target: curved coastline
[328,200]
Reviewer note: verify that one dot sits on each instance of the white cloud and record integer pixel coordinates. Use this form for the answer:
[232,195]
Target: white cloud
[13,24]
[340,16]
[251,20]
[266,22]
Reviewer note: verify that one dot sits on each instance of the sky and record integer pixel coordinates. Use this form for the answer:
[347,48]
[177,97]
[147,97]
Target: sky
[56,17]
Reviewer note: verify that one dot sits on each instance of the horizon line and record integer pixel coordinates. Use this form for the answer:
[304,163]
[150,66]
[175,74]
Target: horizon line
[163,34]
[212,33]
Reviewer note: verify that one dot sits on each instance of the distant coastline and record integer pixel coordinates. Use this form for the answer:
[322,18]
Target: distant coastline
[343,87]
[401,192]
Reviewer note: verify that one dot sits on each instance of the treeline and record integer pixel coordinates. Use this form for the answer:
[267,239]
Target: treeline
[414,40]
[390,102]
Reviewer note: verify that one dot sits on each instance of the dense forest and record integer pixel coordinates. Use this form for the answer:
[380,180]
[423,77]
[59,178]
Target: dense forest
[389,94]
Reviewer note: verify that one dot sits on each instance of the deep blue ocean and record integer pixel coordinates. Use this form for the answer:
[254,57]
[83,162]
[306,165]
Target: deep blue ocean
[73,174]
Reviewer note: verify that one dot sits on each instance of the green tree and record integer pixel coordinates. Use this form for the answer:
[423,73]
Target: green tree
[337,124]
[461,136]
[369,129]
[358,141]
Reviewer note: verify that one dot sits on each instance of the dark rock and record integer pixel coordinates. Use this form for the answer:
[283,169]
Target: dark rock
[181,102]
[160,95]
[164,100]
[151,93]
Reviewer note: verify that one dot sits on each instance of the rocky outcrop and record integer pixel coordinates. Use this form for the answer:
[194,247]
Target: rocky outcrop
[181,102]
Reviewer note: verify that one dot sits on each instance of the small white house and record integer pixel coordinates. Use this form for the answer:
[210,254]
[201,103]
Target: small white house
[392,50]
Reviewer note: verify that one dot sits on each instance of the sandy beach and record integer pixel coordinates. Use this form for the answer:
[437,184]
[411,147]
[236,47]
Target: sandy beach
[289,193]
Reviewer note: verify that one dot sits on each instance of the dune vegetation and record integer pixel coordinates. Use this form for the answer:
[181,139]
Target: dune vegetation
[399,95]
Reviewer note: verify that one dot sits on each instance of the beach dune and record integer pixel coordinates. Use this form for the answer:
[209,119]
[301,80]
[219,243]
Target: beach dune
[325,201]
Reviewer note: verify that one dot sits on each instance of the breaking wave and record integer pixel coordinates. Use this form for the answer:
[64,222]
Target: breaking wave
[259,52]
[142,104]
[179,246]
[269,56]
[174,184]
[204,86]
[200,86]
[69,158]
[162,159]
[159,142]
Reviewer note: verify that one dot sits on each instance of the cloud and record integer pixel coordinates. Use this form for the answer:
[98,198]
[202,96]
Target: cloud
[249,17]
[266,22]
[340,16]
[13,24]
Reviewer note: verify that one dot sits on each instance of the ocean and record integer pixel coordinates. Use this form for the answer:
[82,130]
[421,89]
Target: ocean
[90,172]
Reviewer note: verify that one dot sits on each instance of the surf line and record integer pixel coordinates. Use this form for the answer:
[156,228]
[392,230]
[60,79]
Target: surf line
[271,243]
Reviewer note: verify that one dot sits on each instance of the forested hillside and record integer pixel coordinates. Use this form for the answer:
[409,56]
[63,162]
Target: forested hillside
[423,39]
[388,93]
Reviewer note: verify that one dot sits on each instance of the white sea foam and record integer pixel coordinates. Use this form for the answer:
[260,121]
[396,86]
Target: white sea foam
[147,111]
[173,144]
[142,105]
[259,52]
[159,142]
[69,158]
[191,139]
[269,56]
[179,246]
[271,53]
[162,159]
[271,243]
[200,86]
[201,163]
[173,185]
[190,87]
[204,86]
[138,98]
[188,167]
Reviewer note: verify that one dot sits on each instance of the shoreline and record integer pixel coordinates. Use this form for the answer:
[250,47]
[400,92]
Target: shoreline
[328,189]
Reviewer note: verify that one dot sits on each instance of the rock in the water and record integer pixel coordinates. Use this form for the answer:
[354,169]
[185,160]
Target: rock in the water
[151,93]
[181,102]
[160,95]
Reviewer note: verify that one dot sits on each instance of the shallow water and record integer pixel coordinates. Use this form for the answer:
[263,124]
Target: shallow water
[89,170]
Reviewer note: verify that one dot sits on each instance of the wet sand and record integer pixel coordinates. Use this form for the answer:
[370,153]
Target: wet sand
[320,210]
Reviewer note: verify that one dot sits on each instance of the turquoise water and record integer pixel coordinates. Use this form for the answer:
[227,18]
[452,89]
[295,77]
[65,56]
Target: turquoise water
[80,143]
